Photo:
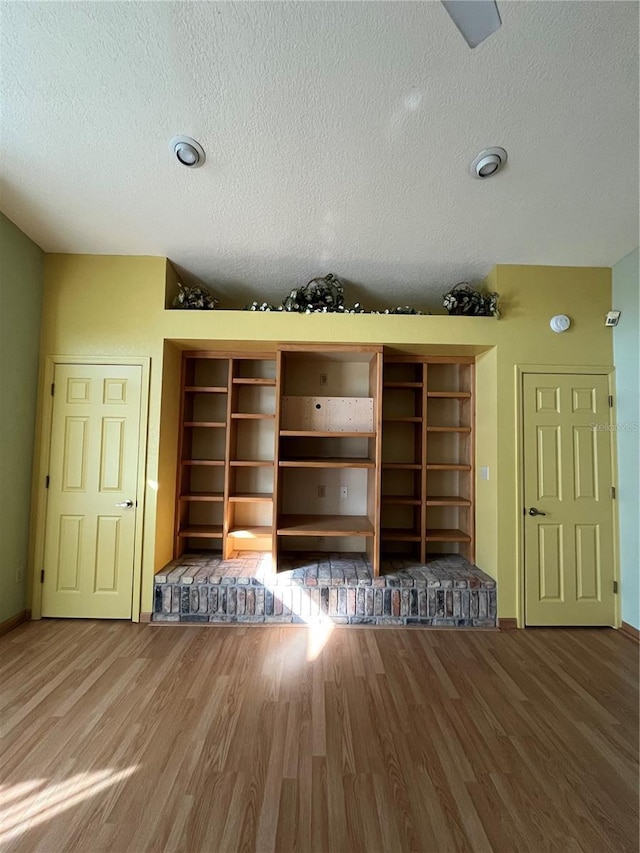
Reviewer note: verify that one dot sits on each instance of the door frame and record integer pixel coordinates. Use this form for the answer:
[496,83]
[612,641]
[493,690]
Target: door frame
[589,370]
[44,446]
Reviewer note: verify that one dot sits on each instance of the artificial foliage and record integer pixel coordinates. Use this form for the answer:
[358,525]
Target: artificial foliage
[323,295]
[196,297]
[465,300]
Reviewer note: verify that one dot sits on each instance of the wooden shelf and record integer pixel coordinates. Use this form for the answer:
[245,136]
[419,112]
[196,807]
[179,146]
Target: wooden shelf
[412,420]
[216,424]
[435,535]
[448,429]
[203,496]
[401,466]
[324,525]
[242,380]
[250,416]
[329,462]
[445,466]
[215,463]
[398,500]
[392,534]
[445,500]
[316,433]
[402,384]
[206,389]
[251,497]
[251,531]
[450,395]
[201,531]
[251,463]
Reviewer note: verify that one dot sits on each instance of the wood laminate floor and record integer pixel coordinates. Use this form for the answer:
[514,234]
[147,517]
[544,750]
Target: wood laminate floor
[121,737]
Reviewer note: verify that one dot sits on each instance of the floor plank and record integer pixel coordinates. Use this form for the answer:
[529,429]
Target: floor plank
[119,737]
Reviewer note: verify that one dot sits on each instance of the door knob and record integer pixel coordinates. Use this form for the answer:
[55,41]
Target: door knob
[534,511]
[126,504]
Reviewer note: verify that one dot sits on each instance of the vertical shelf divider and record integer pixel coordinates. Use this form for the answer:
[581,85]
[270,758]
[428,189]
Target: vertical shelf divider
[423,459]
[374,481]
[280,368]
[180,474]
[230,444]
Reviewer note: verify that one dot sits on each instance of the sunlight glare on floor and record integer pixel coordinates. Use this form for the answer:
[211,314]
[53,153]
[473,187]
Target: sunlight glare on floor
[27,804]
[318,638]
[319,625]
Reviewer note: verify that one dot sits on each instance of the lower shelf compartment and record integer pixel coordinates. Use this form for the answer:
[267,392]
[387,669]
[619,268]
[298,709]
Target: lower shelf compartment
[435,535]
[324,525]
[329,462]
[447,500]
[201,531]
[203,496]
[392,534]
[250,531]
[251,497]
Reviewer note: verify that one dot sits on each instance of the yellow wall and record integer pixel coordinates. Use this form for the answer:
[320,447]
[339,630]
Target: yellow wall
[98,305]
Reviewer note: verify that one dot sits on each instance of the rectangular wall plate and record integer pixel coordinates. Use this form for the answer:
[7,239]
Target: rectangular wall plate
[612,318]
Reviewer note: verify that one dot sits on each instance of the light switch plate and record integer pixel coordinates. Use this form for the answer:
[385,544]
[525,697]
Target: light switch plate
[484,473]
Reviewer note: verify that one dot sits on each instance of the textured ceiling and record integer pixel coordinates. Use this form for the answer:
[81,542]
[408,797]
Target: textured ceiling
[338,139]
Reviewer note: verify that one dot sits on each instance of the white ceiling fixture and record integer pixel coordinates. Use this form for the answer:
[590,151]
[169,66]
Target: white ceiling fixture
[476,19]
[188,152]
[488,162]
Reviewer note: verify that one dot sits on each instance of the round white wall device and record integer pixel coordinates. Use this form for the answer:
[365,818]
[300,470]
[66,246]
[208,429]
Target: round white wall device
[560,323]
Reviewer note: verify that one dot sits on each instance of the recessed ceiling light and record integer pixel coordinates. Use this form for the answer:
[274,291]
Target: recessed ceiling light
[488,162]
[187,151]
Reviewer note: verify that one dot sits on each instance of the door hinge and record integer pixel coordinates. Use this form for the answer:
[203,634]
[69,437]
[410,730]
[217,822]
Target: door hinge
[46,482]
[613,492]
[42,576]
[52,388]
[610,401]
[615,587]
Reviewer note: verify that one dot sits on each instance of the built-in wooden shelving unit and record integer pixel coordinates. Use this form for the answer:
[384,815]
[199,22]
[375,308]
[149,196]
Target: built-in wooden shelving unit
[326,448]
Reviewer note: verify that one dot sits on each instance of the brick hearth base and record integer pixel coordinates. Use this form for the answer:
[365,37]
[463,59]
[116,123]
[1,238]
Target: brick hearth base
[447,591]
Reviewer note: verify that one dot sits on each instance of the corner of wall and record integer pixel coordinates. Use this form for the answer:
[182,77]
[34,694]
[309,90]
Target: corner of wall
[626,356]
[21,287]
[171,283]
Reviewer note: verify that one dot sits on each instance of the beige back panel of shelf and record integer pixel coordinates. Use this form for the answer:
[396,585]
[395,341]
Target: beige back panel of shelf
[330,376]
[300,491]
[330,414]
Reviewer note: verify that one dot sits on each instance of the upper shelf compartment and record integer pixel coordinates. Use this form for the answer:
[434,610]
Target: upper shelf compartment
[327,415]
[326,372]
[205,374]
[330,392]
